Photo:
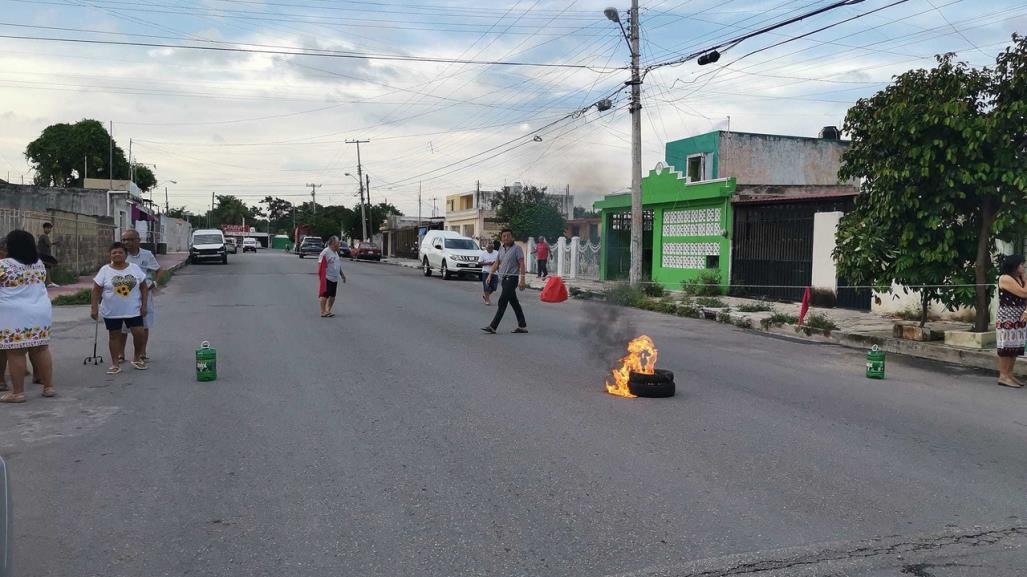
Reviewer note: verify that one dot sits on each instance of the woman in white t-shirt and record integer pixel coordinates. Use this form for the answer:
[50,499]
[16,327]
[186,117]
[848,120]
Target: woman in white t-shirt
[119,295]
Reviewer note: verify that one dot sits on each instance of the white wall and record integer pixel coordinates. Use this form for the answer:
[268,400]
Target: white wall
[175,233]
[825,271]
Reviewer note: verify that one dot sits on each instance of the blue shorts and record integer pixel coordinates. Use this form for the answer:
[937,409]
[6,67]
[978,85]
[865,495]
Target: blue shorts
[489,287]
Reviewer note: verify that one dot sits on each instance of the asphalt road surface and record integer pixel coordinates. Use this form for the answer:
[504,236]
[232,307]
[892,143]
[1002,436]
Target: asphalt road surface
[398,439]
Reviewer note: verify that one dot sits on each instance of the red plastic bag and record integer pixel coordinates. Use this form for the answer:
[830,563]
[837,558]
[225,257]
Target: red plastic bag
[554,291]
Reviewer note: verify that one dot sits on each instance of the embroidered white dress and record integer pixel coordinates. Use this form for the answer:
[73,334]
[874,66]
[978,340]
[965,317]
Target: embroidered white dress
[25,312]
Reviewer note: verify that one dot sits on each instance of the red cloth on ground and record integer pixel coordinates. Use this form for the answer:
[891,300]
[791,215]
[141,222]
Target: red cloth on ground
[554,291]
[805,306]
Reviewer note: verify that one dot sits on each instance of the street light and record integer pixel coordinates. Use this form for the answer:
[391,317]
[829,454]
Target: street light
[635,271]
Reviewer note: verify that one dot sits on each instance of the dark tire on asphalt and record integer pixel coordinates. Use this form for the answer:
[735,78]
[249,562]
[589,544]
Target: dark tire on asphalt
[224,259]
[444,271]
[660,376]
[301,256]
[426,267]
[658,385]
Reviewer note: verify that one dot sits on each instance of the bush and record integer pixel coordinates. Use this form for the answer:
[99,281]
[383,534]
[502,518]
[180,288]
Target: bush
[755,307]
[687,308]
[706,284]
[711,302]
[724,317]
[63,276]
[779,319]
[819,322]
[625,295]
[667,307]
[80,297]
[654,289]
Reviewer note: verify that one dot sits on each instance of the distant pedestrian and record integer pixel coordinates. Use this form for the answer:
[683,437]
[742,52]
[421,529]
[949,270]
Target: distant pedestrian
[1011,319]
[489,283]
[542,257]
[509,267]
[120,294]
[25,316]
[44,246]
[330,273]
[145,260]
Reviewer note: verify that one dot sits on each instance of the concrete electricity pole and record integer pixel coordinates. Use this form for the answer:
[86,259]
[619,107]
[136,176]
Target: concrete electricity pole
[313,197]
[635,270]
[360,179]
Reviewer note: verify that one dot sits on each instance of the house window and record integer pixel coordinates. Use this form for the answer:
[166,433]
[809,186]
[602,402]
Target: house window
[696,167]
[622,220]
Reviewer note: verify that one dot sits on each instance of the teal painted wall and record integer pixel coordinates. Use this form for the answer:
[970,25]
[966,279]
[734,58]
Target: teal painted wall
[676,152]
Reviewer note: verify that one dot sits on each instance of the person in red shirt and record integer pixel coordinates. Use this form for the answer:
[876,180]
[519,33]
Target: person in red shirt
[542,257]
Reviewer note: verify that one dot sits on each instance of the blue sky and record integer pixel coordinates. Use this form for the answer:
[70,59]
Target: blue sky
[253,124]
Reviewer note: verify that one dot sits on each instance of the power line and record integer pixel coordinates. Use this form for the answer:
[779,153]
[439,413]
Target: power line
[304,52]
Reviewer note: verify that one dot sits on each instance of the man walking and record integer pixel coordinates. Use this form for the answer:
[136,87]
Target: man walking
[45,249]
[509,266]
[145,260]
[542,257]
[330,272]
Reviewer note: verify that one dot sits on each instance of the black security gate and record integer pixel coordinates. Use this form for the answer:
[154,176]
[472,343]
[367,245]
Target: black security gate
[772,250]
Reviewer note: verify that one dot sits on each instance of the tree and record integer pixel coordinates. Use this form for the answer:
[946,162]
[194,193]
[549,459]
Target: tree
[144,177]
[529,212]
[376,215]
[60,155]
[232,210]
[940,154]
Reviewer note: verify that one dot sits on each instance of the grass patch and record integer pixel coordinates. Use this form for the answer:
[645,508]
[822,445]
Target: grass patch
[63,276]
[725,317]
[80,297]
[711,302]
[653,289]
[818,322]
[743,323]
[755,307]
[706,284]
[687,308]
[778,319]
[626,295]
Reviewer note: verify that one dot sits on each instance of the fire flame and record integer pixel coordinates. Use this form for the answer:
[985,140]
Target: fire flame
[641,358]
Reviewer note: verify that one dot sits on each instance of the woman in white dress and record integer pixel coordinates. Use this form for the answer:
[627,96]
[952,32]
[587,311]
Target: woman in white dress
[25,316]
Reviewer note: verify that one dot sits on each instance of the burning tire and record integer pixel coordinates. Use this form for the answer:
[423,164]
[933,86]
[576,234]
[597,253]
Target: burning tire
[657,385]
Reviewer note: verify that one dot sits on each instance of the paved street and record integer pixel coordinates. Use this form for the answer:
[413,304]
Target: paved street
[399,440]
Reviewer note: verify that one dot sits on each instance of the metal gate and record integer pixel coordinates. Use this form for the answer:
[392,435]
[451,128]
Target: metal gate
[772,250]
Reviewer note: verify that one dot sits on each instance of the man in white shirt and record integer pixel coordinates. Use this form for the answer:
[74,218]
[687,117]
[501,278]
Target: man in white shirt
[330,272]
[145,260]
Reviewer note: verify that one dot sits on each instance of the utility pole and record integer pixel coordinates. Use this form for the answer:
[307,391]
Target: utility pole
[635,272]
[210,215]
[110,156]
[167,207]
[131,167]
[360,179]
[313,196]
[418,205]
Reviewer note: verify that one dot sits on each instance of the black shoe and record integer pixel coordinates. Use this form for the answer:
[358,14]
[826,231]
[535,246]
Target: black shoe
[520,330]
[489,330]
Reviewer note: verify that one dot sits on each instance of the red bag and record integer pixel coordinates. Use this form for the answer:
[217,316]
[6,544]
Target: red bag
[554,291]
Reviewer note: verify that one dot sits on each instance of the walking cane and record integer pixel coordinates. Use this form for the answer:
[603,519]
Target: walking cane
[95,359]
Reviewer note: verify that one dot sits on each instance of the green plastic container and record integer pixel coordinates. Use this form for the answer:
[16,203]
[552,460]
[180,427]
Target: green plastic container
[875,363]
[206,362]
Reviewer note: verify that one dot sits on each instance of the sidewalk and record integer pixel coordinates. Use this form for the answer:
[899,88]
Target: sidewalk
[168,262]
[856,329]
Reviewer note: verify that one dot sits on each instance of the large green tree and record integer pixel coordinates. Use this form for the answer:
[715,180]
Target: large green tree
[376,215]
[529,212]
[232,210]
[940,157]
[279,212]
[62,152]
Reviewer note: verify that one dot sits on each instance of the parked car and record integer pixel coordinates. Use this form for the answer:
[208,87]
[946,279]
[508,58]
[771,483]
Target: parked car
[449,253]
[208,244]
[345,251]
[230,245]
[250,245]
[6,523]
[367,251]
[310,245]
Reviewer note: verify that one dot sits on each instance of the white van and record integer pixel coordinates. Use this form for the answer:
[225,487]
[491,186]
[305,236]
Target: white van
[449,253]
[208,244]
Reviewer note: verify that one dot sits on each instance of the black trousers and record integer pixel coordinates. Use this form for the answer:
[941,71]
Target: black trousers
[509,296]
[543,267]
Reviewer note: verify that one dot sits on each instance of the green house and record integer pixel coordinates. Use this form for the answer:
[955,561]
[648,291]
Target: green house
[686,229]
